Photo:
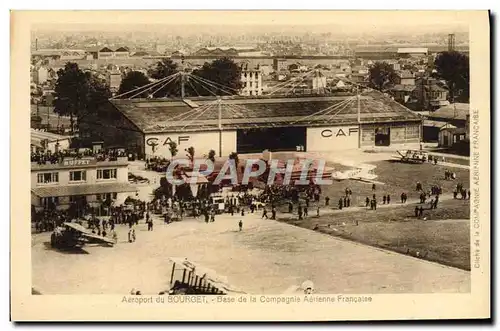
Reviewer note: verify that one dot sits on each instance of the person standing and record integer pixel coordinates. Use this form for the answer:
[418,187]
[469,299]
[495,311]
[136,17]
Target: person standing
[348,202]
[383,199]
[273,213]
[240,225]
[421,211]
[402,197]
[416,211]
[317,211]
[306,211]
[367,202]
[388,199]
[290,207]
[340,204]
[327,201]
[264,213]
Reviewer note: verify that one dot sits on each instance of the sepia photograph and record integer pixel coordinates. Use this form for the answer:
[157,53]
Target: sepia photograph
[271,159]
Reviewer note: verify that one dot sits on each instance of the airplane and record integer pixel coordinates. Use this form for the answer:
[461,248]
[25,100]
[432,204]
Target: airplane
[71,235]
[362,172]
[412,156]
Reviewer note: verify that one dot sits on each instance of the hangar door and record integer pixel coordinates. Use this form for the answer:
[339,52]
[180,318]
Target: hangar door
[273,139]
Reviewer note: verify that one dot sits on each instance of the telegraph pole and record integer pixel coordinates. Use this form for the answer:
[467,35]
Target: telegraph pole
[219,106]
[182,85]
[359,116]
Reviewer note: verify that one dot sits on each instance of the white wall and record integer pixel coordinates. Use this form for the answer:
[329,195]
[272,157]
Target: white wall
[333,138]
[202,142]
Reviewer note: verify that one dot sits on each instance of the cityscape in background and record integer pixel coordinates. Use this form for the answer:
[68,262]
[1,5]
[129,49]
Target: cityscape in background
[384,112]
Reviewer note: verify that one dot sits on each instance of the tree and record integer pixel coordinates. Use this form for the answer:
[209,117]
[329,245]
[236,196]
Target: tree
[382,75]
[211,155]
[223,72]
[453,67]
[78,94]
[190,154]
[172,147]
[132,81]
[164,68]
[70,92]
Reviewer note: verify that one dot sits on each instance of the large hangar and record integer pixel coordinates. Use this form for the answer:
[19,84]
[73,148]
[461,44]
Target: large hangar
[249,125]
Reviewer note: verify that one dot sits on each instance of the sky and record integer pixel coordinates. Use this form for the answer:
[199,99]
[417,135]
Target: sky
[352,21]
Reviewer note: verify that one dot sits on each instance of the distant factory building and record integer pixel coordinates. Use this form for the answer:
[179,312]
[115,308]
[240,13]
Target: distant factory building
[413,51]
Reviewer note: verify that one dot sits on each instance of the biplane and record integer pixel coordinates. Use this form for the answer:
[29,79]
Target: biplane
[71,235]
[190,278]
[412,156]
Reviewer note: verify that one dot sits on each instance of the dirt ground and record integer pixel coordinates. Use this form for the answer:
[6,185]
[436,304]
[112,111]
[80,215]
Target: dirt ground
[267,257]
[443,237]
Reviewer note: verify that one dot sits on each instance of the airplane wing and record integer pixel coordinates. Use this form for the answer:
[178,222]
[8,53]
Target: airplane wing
[89,235]
[99,239]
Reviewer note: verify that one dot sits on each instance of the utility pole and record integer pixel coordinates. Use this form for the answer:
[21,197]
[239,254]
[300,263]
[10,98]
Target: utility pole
[182,85]
[219,106]
[359,116]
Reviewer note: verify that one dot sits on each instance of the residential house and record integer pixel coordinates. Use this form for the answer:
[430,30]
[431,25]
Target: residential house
[430,94]
[402,93]
[405,77]
[41,75]
[280,65]
[252,82]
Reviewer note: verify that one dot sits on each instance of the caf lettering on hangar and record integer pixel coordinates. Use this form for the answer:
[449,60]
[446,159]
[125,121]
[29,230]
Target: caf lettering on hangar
[327,133]
[153,142]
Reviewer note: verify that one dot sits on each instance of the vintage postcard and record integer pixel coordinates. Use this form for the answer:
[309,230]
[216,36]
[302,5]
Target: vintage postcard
[250,165]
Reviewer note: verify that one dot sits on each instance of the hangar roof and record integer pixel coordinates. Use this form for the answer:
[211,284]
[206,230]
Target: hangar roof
[166,115]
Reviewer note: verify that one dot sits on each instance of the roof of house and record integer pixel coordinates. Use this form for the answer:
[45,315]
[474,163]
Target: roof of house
[455,130]
[403,88]
[38,136]
[452,111]
[162,115]
[406,74]
[69,190]
[435,88]
[122,49]
[106,50]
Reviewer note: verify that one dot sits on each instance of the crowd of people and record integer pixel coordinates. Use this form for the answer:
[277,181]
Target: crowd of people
[43,157]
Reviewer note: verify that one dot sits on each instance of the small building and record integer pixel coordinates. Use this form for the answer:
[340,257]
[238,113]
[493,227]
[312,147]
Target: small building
[41,75]
[105,53]
[455,113]
[78,182]
[405,77]
[280,65]
[452,116]
[48,141]
[122,53]
[114,79]
[402,93]
[451,136]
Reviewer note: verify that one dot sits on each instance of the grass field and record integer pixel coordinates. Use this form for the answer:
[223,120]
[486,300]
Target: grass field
[443,238]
